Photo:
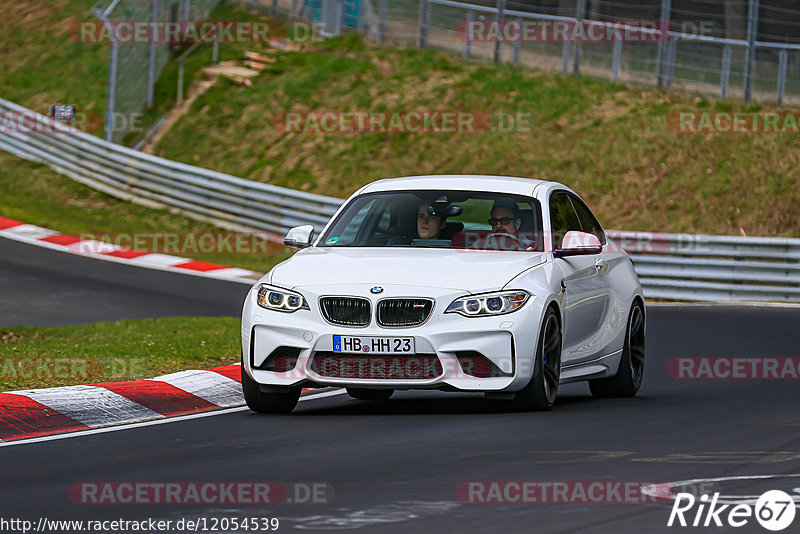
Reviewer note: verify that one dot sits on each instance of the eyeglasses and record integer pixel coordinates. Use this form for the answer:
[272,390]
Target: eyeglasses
[501,220]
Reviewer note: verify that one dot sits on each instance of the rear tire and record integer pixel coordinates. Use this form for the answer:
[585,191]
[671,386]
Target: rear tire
[541,392]
[370,394]
[628,380]
[272,402]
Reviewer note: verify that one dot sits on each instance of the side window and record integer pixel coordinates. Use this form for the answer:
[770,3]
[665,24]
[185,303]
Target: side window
[588,221]
[562,217]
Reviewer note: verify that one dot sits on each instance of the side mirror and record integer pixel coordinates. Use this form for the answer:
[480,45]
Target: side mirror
[299,236]
[578,244]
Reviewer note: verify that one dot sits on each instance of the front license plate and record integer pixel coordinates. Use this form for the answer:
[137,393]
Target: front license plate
[373,345]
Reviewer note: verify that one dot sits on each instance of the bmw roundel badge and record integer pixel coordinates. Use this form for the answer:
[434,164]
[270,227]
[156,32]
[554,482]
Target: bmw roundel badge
[376,290]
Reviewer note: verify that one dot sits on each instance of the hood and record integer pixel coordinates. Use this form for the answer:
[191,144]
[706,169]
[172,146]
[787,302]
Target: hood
[464,270]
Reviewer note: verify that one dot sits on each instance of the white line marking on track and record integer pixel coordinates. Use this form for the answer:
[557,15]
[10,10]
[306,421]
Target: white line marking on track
[200,415]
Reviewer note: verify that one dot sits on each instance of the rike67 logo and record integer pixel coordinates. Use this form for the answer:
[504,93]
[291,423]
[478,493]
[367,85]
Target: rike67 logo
[774,510]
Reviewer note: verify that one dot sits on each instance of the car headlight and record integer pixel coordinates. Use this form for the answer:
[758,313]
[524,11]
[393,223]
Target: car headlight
[489,304]
[278,299]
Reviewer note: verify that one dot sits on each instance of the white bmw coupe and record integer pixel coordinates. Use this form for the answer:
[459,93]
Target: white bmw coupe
[506,286]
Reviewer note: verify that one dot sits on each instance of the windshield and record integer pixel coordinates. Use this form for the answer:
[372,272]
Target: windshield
[441,219]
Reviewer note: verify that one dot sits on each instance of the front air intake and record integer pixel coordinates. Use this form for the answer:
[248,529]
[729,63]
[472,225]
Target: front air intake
[404,312]
[346,311]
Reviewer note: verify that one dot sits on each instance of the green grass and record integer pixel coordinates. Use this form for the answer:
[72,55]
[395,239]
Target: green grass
[35,194]
[32,357]
[610,142]
[43,65]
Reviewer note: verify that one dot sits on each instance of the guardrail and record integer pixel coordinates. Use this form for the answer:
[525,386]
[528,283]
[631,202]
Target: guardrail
[714,268]
[671,266]
[228,201]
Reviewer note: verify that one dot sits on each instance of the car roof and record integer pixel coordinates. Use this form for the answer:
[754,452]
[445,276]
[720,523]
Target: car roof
[464,182]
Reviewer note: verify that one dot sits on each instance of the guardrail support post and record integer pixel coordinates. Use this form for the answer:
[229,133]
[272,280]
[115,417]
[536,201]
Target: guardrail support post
[616,60]
[424,12]
[663,39]
[180,83]
[576,56]
[782,59]
[151,60]
[501,7]
[752,32]
[215,49]
[468,34]
[111,85]
[382,25]
[273,11]
[566,52]
[671,54]
[725,76]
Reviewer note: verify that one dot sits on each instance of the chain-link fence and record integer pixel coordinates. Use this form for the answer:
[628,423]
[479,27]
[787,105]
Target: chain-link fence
[733,48]
[136,62]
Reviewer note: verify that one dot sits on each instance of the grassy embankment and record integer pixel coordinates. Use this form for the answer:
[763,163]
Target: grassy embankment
[611,143]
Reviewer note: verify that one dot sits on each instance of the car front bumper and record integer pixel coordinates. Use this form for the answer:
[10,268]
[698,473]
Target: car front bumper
[508,341]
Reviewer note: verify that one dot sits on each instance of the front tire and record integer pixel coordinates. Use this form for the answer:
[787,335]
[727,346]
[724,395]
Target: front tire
[272,402]
[628,380]
[370,394]
[541,392]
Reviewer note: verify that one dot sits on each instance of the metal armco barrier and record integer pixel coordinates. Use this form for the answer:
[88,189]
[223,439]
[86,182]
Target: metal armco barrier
[671,266]
[714,268]
[228,201]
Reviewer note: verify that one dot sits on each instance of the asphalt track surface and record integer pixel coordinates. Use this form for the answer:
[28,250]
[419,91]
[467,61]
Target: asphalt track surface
[395,466]
[43,287]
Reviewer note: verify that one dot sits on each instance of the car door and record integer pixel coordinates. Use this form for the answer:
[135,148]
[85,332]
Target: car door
[586,289]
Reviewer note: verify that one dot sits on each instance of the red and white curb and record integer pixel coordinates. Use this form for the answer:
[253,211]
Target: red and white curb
[40,412]
[43,237]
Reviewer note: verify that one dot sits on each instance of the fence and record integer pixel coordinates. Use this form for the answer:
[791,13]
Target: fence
[680,267]
[134,66]
[743,48]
